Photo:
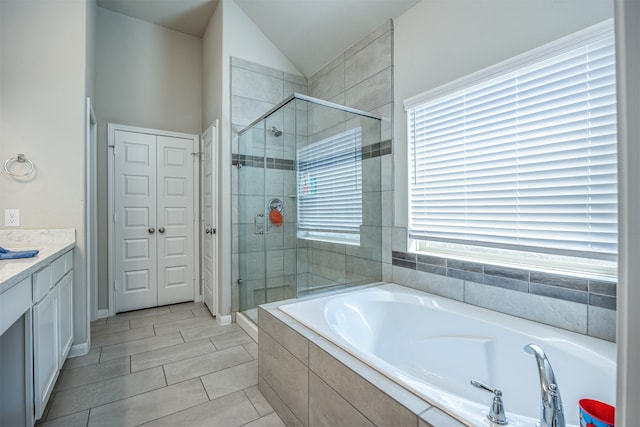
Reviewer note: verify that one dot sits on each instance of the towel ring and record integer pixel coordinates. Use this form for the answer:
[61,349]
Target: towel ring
[20,159]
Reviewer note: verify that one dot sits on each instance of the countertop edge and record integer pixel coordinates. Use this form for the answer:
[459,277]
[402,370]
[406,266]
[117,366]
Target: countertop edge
[28,271]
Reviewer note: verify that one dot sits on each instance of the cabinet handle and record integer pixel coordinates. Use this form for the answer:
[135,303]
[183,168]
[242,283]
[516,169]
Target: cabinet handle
[161,229]
[151,230]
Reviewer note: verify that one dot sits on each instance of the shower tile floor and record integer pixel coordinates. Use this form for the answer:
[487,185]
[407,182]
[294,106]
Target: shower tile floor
[165,366]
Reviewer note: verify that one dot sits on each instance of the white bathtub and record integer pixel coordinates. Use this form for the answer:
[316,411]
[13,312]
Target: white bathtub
[434,346]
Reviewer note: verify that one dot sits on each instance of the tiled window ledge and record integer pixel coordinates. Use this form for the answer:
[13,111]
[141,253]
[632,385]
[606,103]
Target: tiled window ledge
[596,293]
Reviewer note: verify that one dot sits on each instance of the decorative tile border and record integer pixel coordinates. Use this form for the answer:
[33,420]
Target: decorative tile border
[376,150]
[368,152]
[597,293]
[258,162]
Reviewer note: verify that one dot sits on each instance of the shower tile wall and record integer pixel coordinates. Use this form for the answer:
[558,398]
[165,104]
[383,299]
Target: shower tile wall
[360,78]
[255,89]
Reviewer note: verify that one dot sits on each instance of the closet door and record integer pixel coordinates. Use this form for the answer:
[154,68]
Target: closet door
[154,218]
[135,221]
[175,220]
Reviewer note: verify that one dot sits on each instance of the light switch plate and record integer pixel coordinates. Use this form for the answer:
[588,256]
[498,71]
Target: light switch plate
[12,217]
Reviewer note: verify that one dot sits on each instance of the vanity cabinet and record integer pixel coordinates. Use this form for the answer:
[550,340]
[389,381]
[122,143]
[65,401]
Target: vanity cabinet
[52,326]
[65,317]
[45,349]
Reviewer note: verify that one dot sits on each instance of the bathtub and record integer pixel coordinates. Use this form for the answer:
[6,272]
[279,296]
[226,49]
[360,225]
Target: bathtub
[434,346]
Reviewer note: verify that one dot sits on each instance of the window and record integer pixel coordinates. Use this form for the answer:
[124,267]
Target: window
[330,188]
[521,158]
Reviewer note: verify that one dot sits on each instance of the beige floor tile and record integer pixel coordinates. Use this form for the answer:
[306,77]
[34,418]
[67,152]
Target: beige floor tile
[186,306]
[171,354]
[202,312]
[139,313]
[258,400]
[122,336]
[149,406]
[208,331]
[231,379]
[160,319]
[231,339]
[252,348]
[108,328]
[229,411]
[181,325]
[172,343]
[271,420]
[97,394]
[91,358]
[96,331]
[208,363]
[71,378]
[79,419]
[139,346]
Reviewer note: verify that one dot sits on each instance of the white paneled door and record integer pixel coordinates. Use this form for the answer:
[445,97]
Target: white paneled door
[153,191]
[208,185]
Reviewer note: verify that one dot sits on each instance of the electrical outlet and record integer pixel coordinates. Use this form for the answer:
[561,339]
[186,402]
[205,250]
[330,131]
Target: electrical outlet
[12,217]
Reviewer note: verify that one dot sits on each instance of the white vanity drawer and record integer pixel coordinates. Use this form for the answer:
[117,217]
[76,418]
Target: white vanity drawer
[42,282]
[58,269]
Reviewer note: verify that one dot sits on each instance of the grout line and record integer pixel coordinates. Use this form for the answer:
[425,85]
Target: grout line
[164,373]
[205,388]
[244,390]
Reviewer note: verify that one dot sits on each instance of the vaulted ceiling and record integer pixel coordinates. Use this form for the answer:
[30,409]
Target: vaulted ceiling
[308,32]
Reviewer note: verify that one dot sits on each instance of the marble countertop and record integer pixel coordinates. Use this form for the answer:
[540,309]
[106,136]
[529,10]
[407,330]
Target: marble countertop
[50,242]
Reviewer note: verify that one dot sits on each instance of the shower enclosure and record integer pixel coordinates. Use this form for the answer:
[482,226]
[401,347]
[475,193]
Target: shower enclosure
[308,201]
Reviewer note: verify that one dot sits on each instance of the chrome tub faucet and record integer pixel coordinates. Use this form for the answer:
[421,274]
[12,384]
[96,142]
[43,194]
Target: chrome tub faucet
[551,410]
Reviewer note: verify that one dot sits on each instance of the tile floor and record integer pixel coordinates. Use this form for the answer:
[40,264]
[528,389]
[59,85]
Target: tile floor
[165,366]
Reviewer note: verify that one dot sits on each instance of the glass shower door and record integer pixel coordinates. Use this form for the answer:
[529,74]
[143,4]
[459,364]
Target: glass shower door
[251,220]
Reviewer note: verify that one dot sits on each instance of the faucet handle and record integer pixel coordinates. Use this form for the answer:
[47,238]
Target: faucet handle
[496,412]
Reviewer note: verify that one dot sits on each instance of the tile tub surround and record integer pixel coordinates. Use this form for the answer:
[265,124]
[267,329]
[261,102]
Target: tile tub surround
[311,382]
[165,366]
[577,304]
[50,242]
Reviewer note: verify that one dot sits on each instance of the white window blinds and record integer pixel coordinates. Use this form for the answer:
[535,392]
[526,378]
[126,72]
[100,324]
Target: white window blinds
[330,187]
[525,160]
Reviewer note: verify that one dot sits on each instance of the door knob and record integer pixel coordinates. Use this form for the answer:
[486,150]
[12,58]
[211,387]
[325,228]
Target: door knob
[206,231]
[151,230]
[161,229]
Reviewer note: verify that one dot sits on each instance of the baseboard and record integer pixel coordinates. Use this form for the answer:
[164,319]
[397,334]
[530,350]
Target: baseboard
[102,313]
[78,350]
[223,320]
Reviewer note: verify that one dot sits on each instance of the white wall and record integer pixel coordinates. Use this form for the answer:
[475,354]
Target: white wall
[628,338]
[438,41]
[212,70]
[43,85]
[239,38]
[146,76]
